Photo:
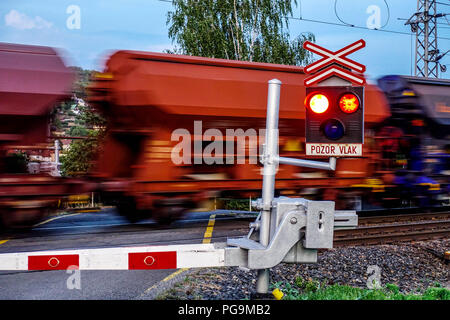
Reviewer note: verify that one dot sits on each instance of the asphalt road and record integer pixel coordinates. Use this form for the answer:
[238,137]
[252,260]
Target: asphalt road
[100,230]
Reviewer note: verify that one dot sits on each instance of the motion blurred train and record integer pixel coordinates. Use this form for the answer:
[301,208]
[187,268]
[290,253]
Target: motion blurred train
[155,101]
[33,80]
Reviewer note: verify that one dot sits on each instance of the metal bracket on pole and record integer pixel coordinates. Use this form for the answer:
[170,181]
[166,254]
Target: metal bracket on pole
[289,230]
[331,165]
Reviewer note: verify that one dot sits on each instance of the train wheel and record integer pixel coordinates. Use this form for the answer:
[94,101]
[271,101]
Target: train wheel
[128,209]
[3,226]
[15,219]
[166,215]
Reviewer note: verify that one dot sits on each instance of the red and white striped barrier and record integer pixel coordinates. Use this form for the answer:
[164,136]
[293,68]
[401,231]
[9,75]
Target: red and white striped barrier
[122,258]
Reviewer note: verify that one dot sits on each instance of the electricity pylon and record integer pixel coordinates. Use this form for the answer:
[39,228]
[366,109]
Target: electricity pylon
[424,24]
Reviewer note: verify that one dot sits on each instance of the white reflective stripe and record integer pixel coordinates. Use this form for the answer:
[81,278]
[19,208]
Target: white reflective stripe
[319,76]
[349,75]
[199,259]
[14,261]
[104,261]
[329,71]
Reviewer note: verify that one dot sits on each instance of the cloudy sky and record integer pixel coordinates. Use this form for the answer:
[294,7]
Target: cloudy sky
[87,31]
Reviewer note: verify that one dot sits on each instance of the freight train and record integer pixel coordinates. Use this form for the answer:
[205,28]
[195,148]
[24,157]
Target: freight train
[183,130]
[32,80]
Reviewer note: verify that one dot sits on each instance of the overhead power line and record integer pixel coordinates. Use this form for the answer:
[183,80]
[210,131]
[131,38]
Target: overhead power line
[357,27]
[301,18]
[352,25]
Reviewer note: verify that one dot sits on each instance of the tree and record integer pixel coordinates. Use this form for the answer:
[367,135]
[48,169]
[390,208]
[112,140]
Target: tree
[81,82]
[78,159]
[78,131]
[81,154]
[16,162]
[250,30]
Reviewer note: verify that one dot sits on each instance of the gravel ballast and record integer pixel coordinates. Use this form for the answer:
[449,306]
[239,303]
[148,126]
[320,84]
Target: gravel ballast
[408,265]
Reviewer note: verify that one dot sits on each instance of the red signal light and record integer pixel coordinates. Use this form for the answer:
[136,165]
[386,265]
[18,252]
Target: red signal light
[318,103]
[349,103]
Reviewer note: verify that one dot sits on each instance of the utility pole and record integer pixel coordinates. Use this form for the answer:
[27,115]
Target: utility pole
[424,24]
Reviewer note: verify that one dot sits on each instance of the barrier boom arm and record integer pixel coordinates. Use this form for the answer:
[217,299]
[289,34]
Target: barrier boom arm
[242,252]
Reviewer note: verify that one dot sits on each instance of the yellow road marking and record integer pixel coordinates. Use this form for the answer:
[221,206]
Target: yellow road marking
[209,230]
[3,241]
[55,218]
[171,276]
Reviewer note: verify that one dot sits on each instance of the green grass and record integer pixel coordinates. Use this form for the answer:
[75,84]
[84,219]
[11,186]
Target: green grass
[235,204]
[314,290]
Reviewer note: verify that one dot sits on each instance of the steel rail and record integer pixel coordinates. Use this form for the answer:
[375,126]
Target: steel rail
[384,234]
[363,221]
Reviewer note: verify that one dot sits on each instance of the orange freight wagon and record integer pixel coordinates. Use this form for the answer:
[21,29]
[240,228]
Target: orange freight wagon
[33,79]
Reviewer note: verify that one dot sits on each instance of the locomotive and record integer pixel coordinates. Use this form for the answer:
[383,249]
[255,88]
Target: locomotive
[155,102]
[416,142]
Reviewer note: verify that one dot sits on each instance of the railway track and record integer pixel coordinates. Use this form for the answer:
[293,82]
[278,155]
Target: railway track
[388,229]
[371,230]
[385,229]
[403,218]
[392,229]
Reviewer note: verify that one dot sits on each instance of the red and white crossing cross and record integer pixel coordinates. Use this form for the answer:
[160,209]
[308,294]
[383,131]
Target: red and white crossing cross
[332,58]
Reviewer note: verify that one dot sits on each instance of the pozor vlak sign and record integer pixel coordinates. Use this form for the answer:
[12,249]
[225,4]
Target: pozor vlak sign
[340,150]
[334,120]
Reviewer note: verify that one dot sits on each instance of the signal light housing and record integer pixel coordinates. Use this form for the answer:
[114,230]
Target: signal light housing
[333,129]
[342,122]
[318,103]
[349,103]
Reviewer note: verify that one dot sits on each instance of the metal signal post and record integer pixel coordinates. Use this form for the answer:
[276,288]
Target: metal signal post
[269,172]
[271,160]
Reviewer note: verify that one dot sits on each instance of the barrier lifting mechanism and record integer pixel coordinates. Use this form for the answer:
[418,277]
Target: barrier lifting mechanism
[288,230]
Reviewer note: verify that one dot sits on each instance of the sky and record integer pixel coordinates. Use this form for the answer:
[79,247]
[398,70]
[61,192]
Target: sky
[87,31]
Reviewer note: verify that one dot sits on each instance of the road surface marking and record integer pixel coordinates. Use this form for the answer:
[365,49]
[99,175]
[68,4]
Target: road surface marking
[171,276]
[168,278]
[89,210]
[55,218]
[209,229]
[3,241]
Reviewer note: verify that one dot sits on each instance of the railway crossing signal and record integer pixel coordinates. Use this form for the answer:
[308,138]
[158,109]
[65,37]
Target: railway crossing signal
[334,121]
